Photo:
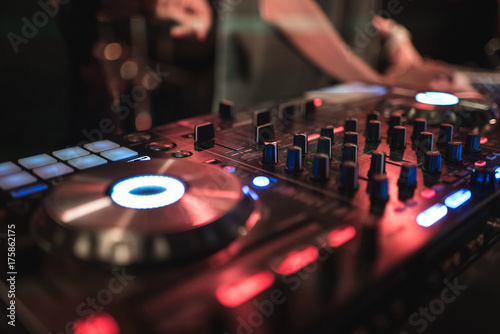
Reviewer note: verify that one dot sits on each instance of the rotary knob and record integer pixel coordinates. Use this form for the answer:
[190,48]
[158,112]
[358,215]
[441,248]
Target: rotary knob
[349,175]
[226,110]
[426,142]
[294,159]
[300,140]
[395,120]
[398,141]
[432,162]
[483,179]
[373,132]
[373,116]
[473,143]
[377,164]
[408,175]
[350,152]
[264,132]
[445,134]
[321,167]
[351,124]
[379,189]
[328,132]
[325,146]
[351,137]
[454,151]
[270,153]
[419,125]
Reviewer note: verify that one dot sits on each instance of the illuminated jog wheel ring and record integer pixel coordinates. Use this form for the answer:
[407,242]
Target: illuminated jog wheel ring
[145,212]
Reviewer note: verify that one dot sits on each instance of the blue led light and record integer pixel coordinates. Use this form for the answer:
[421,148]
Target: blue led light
[247,191]
[147,191]
[229,169]
[457,198]
[261,181]
[436,98]
[29,190]
[497,173]
[432,215]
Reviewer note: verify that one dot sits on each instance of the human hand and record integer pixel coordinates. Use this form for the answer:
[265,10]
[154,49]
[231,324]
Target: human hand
[194,17]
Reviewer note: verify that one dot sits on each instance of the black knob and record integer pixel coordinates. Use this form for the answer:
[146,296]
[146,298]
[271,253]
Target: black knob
[398,141]
[483,179]
[350,152]
[377,164]
[408,175]
[287,111]
[321,167]
[227,109]
[350,138]
[373,132]
[445,134]
[379,188]
[300,140]
[204,132]
[325,146]
[454,151]
[264,132]
[373,116]
[473,143]
[270,153]
[261,117]
[309,107]
[294,159]
[349,175]
[395,120]
[328,132]
[419,125]
[432,162]
[426,142]
[351,124]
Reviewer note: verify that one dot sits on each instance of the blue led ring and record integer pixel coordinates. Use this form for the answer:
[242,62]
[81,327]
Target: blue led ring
[147,191]
[437,98]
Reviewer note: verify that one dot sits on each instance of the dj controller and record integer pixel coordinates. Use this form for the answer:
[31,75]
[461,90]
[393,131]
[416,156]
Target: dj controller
[300,216]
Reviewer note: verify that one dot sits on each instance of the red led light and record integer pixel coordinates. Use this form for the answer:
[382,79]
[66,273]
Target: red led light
[296,260]
[480,163]
[318,102]
[337,238]
[101,323]
[236,294]
[313,136]
[428,193]
[338,129]
[483,140]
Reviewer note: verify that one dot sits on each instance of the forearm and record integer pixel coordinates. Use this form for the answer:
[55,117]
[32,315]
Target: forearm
[309,30]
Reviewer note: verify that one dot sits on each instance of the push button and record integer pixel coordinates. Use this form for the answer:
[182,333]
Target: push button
[16,180]
[36,161]
[100,146]
[70,153]
[54,170]
[88,161]
[7,168]
[119,154]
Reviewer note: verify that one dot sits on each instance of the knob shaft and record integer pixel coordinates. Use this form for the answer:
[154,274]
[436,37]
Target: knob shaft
[351,124]
[270,153]
[328,132]
[321,167]
[300,140]
[432,162]
[398,141]
[351,137]
[473,143]
[350,152]
[377,164]
[373,132]
[419,125]
[454,151]
[294,159]
[349,174]
[325,146]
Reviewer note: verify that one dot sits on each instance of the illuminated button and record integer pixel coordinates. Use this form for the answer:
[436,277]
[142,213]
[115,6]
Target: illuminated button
[161,145]
[97,323]
[16,180]
[457,198]
[102,145]
[54,170]
[338,237]
[229,169]
[7,168]
[433,214]
[480,163]
[261,182]
[36,161]
[212,161]
[119,154]
[497,173]
[182,154]
[491,157]
[70,153]
[246,288]
[295,260]
[147,191]
[88,161]
[437,98]
[29,190]
[428,193]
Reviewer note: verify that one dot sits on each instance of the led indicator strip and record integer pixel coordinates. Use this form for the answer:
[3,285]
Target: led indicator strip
[436,98]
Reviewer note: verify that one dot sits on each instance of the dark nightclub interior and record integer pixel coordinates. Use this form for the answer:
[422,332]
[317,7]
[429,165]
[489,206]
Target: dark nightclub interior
[250,166]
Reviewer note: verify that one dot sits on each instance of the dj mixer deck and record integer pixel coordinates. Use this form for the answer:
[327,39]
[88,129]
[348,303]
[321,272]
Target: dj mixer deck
[303,216]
